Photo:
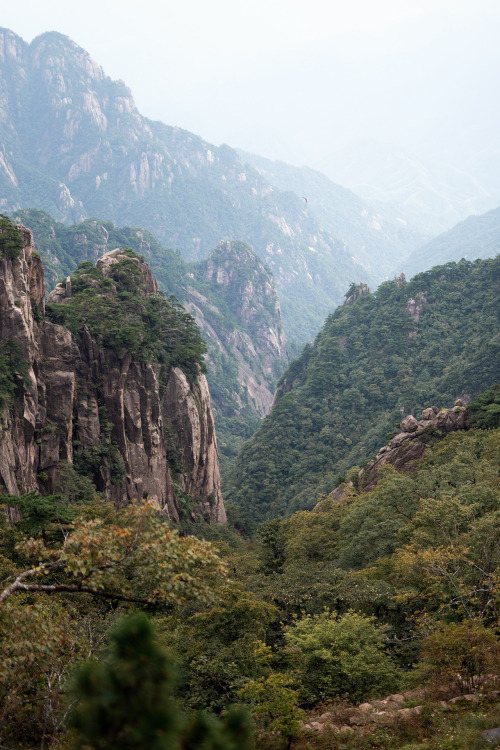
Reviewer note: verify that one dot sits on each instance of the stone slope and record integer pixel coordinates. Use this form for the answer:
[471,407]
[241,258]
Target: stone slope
[241,319]
[78,397]
[407,448]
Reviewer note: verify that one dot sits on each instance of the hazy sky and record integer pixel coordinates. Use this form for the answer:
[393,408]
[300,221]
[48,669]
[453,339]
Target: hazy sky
[295,80]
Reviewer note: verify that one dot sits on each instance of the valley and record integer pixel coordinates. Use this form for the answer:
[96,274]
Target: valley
[249,437]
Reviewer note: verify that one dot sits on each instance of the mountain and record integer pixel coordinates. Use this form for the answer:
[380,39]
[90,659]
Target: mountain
[431,195]
[378,239]
[234,301]
[476,237]
[102,387]
[74,145]
[379,357]
[231,295]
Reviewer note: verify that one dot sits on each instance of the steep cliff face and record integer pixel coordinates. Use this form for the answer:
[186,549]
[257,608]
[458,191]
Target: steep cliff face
[232,296]
[119,419]
[234,301]
[242,319]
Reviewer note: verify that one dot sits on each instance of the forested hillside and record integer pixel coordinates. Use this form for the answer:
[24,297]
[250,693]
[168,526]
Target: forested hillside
[379,357]
[366,623]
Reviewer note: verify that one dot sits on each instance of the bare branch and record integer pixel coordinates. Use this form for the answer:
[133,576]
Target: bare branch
[18,582]
[56,588]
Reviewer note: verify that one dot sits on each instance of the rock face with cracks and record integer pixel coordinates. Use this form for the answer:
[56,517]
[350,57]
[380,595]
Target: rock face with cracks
[74,396]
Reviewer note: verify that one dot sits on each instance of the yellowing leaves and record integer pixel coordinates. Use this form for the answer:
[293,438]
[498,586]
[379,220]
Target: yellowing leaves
[136,557]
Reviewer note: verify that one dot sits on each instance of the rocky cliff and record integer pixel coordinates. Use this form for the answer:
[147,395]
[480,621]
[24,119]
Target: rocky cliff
[234,301]
[232,296]
[409,444]
[242,320]
[138,427]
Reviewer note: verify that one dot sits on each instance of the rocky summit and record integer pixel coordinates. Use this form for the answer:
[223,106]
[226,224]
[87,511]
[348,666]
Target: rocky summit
[141,428]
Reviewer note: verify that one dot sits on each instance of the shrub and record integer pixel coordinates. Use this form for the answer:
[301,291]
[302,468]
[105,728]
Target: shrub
[464,653]
[11,239]
[338,655]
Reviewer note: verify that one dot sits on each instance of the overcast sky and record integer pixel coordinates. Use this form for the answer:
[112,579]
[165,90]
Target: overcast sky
[296,80]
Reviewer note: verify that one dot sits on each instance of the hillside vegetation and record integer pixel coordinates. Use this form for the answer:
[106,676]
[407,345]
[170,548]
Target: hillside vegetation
[379,357]
[372,593]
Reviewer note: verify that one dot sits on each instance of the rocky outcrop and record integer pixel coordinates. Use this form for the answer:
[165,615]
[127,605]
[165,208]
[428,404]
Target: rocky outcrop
[357,292]
[241,323]
[398,707]
[409,444]
[77,399]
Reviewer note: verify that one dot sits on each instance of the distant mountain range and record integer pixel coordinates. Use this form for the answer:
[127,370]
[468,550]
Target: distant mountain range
[476,237]
[74,144]
[379,239]
[431,195]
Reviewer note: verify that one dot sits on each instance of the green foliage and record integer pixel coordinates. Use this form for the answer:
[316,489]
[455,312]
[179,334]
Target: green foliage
[40,643]
[117,312]
[75,487]
[233,732]
[116,556]
[38,513]
[272,542]
[88,462]
[274,705]
[13,368]
[463,653]
[432,599]
[220,648]
[484,412]
[371,363]
[126,700]
[338,655]
[11,239]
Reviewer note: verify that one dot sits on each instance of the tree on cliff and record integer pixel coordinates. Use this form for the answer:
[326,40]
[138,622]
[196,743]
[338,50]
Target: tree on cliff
[11,239]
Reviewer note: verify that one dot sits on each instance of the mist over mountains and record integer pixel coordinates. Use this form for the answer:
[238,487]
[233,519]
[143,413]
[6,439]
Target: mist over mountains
[75,145]
[231,424]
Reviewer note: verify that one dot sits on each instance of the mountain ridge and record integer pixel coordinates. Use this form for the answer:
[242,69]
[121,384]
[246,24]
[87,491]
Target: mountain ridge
[75,145]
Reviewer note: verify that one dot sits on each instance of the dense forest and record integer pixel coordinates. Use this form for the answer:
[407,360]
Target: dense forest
[379,357]
[387,592]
